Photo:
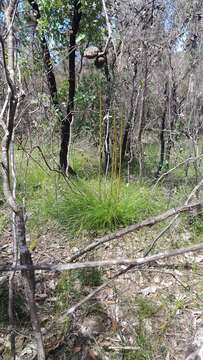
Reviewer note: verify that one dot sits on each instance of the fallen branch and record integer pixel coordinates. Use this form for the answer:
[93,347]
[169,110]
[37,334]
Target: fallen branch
[134,227]
[104,263]
[191,195]
[114,277]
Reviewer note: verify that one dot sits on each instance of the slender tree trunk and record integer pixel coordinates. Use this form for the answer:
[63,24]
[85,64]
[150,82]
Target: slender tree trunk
[6,142]
[7,122]
[28,280]
[172,106]
[51,80]
[142,119]
[162,133]
[107,155]
[67,122]
[125,143]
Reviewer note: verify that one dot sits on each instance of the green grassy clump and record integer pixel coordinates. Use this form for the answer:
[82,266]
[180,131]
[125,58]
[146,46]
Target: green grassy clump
[37,188]
[144,351]
[70,284]
[146,308]
[64,290]
[105,205]
[90,277]
[90,206]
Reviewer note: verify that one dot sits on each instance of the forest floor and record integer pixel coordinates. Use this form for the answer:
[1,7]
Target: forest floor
[149,313]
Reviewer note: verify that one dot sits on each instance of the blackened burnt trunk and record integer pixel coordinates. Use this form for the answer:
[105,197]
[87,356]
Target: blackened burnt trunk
[48,65]
[67,121]
[52,85]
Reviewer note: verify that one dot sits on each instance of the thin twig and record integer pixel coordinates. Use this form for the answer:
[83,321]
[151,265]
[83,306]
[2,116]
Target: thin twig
[192,158]
[154,242]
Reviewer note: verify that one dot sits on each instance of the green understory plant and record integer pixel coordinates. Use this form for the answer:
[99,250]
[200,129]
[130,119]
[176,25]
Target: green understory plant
[105,205]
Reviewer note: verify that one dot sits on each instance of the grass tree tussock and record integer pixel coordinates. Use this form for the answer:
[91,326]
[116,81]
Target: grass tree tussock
[104,205]
[94,205]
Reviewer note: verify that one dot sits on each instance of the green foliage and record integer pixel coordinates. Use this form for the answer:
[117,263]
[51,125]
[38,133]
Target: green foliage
[144,352]
[151,158]
[55,22]
[63,90]
[3,220]
[36,186]
[54,19]
[41,188]
[196,225]
[65,289]
[146,308]
[85,163]
[70,282]
[93,25]
[90,277]
[97,205]
[103,205]
[87,101]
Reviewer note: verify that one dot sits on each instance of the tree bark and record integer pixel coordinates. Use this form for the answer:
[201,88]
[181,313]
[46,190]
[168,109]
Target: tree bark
[162,133]
[7,122]
[125,143]
[107,155]
[28,280]
[48,65]
[142,117]
[172,106]
[67,122]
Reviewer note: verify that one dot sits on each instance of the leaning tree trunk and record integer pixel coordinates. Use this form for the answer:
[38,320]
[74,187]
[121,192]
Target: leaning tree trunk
[67,122]
[7,121]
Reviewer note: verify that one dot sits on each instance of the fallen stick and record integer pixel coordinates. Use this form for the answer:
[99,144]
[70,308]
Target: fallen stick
[134,227]
[104,263]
